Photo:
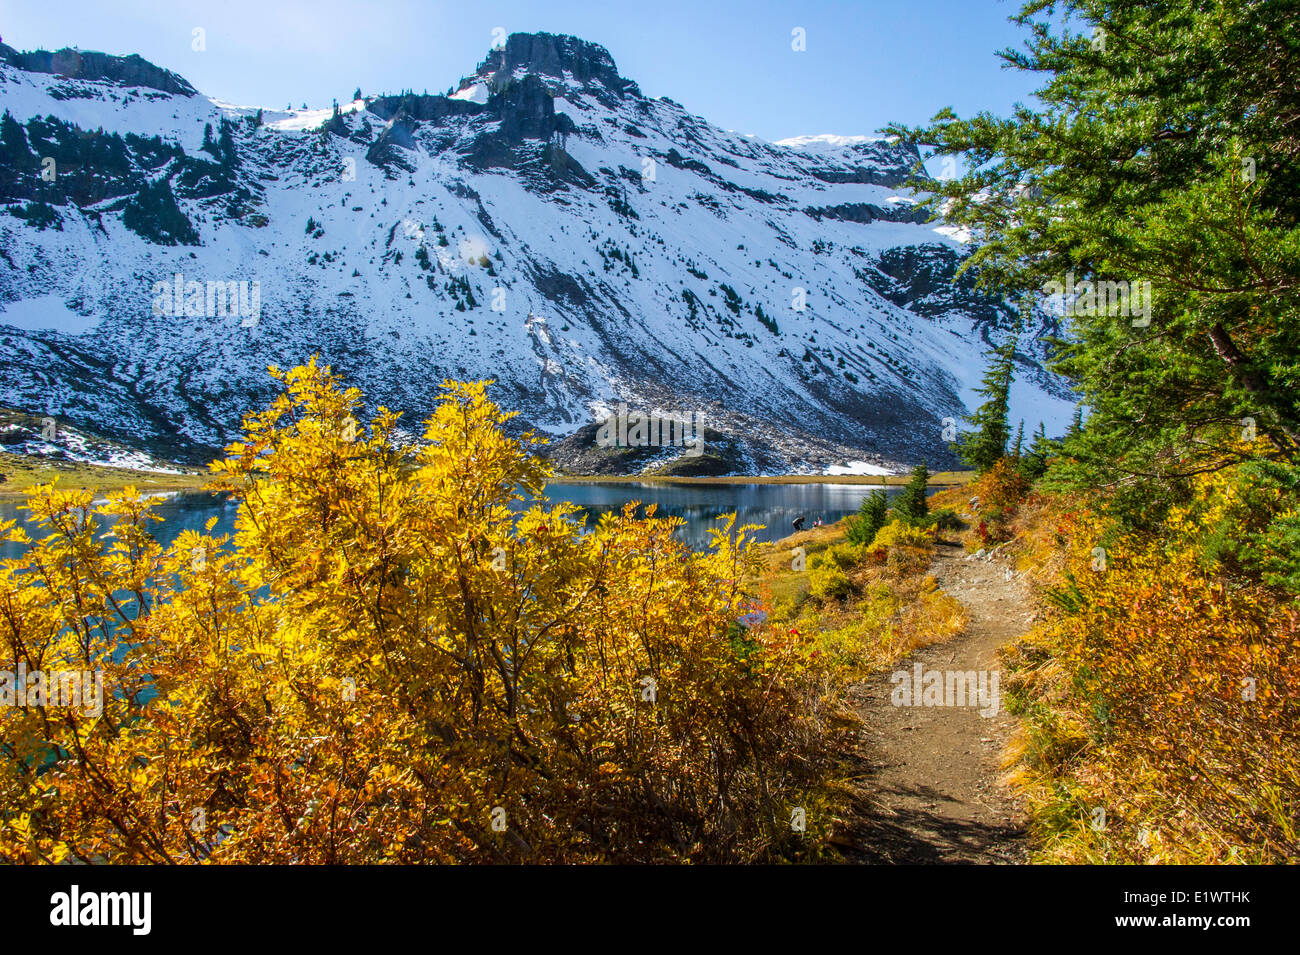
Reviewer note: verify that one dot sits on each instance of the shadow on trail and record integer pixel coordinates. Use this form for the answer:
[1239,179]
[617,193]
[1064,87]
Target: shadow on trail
[923,836]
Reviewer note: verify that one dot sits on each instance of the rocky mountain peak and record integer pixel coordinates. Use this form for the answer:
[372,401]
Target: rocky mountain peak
[558,58]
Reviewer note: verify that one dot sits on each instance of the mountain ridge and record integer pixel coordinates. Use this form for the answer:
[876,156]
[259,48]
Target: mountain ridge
[579,243]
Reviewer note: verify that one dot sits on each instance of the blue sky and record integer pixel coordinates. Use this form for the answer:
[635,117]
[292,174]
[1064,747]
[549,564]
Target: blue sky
[730,61]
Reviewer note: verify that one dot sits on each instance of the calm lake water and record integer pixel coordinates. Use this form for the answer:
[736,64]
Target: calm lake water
[773,505]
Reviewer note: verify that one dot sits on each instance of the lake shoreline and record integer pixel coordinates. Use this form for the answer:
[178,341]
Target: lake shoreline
[942,479]
[23,474]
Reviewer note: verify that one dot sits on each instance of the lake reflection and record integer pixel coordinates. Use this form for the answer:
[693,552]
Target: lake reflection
[700,505]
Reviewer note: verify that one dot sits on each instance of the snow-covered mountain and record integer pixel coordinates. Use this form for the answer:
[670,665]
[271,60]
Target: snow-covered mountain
[544,224]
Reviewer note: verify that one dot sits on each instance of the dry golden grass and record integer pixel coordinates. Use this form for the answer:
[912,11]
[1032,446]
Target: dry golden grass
[22,473]
[778,557]
[892,607]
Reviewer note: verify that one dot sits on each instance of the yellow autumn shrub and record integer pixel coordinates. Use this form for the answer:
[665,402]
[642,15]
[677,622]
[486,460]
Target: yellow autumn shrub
[1160,699]
[407,657]
[827,581]
[899,533]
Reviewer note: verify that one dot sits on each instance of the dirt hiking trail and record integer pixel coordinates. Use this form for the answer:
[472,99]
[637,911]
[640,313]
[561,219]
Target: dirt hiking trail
[930,777]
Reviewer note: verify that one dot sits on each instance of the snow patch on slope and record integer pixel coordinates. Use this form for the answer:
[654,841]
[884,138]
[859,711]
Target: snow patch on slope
[858,467]
[46,313]
[827,142]
[474,93]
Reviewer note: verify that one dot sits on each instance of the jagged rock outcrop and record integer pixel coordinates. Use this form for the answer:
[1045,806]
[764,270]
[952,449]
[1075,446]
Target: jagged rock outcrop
[130,70]
[552,57]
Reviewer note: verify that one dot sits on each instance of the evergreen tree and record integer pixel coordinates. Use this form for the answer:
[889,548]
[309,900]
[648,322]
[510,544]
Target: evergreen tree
[1018,441]
[987,443]
[1165,155]
[13,144]
[226,144]
[1034,463]
[209,144]
[872,515]
[153,214]
[1076,425]
[911,505]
